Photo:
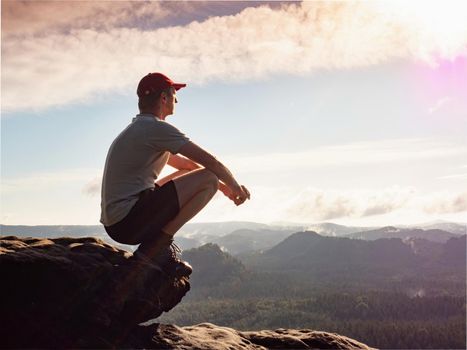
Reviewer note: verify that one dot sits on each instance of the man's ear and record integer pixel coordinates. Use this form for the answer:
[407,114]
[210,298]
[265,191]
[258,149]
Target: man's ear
[164,96]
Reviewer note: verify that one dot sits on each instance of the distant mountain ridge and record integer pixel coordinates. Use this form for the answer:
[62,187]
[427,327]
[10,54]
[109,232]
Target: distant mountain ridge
[335,230]
[310,254]
[240,237]
[213,266]
[452,227]
[245,240]
[434,235]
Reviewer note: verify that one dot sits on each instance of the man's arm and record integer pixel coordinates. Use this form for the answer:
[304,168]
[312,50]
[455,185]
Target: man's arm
[182,163]
[204,158]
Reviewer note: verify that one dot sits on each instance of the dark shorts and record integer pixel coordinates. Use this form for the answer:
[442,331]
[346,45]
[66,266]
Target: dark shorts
[153,210]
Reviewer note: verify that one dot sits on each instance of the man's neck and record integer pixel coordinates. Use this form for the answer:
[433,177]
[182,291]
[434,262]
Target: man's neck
[154,113]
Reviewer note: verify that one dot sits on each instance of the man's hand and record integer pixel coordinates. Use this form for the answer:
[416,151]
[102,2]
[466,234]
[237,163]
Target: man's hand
[238,196]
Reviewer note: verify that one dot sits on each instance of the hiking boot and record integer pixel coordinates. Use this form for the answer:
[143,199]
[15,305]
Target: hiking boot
[170,262]
[164,255]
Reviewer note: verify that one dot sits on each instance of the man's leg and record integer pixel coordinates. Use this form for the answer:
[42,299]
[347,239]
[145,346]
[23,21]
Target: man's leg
[194,190]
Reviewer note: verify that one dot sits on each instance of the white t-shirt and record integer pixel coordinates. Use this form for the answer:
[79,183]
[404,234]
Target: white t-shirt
[134,161]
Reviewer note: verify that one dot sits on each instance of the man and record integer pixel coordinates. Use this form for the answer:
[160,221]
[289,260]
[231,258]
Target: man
[137,206]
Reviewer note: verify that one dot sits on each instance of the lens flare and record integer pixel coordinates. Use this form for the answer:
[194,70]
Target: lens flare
[437,26]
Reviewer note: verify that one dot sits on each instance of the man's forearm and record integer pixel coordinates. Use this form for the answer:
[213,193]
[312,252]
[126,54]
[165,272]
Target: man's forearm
[204,158]
[182,163]
[223,174]
[191,165]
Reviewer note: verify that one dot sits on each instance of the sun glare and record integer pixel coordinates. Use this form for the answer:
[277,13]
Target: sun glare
[438,25]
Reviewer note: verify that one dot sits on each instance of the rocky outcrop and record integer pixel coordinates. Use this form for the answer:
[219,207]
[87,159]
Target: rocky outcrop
[84,293]
[77,292]
[209,336]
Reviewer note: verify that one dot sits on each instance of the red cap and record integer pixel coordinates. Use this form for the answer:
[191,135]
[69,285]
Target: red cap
[156,82]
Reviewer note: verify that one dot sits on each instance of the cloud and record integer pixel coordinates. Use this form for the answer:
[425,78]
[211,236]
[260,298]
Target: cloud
[352,154]
[32,18]
[386,201]
[106,52]
[93,187]
[41,18]
[45,181]
[316,204]
[379,206]
[447,203]
[268,203]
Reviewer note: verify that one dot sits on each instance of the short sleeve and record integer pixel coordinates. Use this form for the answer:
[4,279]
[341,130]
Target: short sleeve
[163,136]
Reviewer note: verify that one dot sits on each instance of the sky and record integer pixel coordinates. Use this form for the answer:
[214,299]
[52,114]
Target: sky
[346,112]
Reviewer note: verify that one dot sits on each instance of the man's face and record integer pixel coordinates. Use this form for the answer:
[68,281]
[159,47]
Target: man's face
[170,101]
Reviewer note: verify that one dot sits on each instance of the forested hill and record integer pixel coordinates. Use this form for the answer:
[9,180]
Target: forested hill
[312,255]
[388,293]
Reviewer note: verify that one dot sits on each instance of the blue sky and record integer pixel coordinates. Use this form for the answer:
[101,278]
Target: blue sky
[367,133]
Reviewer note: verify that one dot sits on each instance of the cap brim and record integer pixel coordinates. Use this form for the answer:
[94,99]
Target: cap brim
[178,86]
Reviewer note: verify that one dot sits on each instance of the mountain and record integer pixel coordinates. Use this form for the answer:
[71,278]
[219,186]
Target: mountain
[335,230]
[310,255]
[209,229]
[217,229]
[456,228]
[433,235]
[187,243]
[295,245]
[309,250]
[212,266]
[424,247]
[454,252]
[246,240]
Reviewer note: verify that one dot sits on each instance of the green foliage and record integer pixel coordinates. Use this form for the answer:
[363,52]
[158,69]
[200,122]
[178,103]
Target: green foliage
[377,292]
[379,319]
[213,266]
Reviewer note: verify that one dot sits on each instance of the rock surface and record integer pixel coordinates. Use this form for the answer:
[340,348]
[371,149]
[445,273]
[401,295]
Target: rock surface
[73,292]
[209,336]
[84,293]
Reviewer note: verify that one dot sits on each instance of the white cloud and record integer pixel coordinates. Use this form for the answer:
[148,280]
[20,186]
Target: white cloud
[23,201]
[93,187]
[49,198]
[316,204]
[28,18]
[352,154]
[442,203]
[361,206]
[75,66]
[41,18]
[45,181]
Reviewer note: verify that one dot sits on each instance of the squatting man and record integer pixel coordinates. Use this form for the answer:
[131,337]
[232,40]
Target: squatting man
[139,208]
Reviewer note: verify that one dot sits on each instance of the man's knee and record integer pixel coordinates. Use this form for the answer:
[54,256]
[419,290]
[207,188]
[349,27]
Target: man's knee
[211,178]
[198,180]
[211,181]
